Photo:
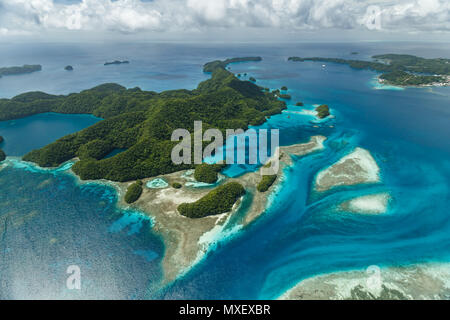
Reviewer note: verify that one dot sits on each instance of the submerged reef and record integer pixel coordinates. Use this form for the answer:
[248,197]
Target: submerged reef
[355,168]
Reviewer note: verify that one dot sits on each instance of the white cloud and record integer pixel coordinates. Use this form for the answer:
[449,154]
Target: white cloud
[129,16]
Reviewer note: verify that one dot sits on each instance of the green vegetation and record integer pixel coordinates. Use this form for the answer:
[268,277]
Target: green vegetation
[134,191]
[285,96]
[284,88]
[141,122]
[221,64]
[68,68]
[9,71]
[323,111]
[252,79]
[116,62]
[403,78]
[299,104]
[176,185]
[2,155]
[266,182]
[397,69]
[207,172]
[219,200]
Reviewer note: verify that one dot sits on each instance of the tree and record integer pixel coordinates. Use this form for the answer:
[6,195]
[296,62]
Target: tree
[134,191]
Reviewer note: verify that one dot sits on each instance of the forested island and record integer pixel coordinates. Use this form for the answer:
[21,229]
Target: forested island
[9,71]
[133,192]
[116,62]
[219,200]
[323,111]
[207,173]
[213,65]
[2,153]
[141,123]
[399,69]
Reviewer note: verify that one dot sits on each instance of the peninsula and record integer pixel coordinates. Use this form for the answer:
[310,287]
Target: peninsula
[399,69]
[9,71]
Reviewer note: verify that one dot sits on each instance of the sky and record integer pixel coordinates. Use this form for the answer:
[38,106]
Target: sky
[225,20]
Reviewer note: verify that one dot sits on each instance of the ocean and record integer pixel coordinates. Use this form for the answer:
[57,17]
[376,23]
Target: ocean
[49,220]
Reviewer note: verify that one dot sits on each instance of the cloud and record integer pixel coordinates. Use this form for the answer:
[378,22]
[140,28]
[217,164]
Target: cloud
[133,16]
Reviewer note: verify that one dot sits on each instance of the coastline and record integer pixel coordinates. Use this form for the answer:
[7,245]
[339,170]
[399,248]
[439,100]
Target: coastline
[187,241]
[422,281]
[388,85]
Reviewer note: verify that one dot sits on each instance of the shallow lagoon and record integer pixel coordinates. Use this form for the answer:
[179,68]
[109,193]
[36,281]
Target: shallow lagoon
[303,232]
[33,132]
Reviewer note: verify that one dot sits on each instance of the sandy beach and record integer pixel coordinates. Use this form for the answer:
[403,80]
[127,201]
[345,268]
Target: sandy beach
[416,282]
[355,168]
[188,240]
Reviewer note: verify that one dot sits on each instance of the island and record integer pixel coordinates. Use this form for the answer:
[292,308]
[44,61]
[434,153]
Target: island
[188,239]
[266,182]
[134,191]
[219,200]
[427,281]
[207,173]
[285,96]
[27,68]
[190,219]
[141,123]
[2,153]
[355,168]
[213,65]
[399,69]
[68,68]
[177,185]
[116,62]
[323,111]
[368,204]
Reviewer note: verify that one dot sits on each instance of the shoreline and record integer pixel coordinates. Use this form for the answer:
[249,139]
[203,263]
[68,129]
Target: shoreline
[383,82]
[424,281]
[187,241]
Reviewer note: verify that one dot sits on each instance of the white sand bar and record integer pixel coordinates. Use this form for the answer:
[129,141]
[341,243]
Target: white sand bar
[371,204]
[355,168]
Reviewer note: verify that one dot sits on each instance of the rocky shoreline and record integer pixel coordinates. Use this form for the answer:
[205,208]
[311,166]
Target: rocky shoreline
[416,282]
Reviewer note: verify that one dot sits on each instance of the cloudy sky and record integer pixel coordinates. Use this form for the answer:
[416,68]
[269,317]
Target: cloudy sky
[226,19]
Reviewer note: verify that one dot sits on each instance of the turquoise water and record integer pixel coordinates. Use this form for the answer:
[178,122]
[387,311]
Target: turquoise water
[301,234]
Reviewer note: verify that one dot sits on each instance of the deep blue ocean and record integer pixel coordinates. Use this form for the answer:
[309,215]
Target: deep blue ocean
[48,220]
